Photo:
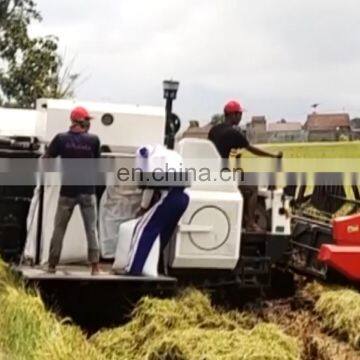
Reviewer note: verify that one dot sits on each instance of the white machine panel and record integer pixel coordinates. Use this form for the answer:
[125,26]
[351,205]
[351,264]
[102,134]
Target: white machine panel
[75,245]
[280,210]
[209,236]
[132,125]
[18,122]
[210,230]
[280,221]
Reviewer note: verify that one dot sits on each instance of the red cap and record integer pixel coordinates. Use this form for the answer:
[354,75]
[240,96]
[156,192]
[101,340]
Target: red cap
[80,113]
[232,107]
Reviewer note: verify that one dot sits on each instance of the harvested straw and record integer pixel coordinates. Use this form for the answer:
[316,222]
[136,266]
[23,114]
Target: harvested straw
[320,346]
[313,290]
[190,328]
[68,342]
[28,331]
[340,312]
[7,276]
[184,328]
[263,342]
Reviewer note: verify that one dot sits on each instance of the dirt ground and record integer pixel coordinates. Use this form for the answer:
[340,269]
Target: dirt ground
[296,316]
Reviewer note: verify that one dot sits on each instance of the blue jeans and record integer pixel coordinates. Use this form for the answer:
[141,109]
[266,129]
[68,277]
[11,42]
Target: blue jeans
[64,211]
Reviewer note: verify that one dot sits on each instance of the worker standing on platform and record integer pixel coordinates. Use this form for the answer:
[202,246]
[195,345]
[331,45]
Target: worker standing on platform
[76,143]
[160,216]
[227,137]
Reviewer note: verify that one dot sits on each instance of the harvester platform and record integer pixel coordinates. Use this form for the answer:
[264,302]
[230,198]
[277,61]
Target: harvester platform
[82,273]
[93,301]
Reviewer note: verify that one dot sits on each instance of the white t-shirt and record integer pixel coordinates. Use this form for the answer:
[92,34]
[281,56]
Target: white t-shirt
[151,159]
[158,158]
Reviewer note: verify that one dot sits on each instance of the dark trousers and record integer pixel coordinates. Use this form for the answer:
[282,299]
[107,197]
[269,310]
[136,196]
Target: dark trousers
[64,211]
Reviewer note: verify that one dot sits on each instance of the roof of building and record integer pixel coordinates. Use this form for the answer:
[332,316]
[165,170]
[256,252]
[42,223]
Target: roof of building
[258,119]
[327,121]
[284,126]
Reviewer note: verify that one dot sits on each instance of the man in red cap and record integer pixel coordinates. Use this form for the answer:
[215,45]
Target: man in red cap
[76,143]
[227,137]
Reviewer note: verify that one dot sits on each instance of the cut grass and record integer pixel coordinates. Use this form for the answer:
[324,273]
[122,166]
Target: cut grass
[263,342]
[187,327]
[190,328]
[296,317]
[28,331]
[338,309]
[340,313]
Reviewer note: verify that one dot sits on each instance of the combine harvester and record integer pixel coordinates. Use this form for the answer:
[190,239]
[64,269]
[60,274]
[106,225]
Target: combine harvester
[209,249]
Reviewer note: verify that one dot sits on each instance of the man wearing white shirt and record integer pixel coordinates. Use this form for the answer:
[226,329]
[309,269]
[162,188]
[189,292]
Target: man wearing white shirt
[160,217]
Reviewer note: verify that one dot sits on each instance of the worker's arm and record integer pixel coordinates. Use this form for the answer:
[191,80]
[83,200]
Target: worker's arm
[97,148]
[259,152]
[52,150]
[239,141]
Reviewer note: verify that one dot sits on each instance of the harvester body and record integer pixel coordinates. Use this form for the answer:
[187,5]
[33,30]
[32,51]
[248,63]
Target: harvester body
[210,244]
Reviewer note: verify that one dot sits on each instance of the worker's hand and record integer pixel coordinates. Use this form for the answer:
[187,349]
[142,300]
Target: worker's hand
[279,155]
[141,212]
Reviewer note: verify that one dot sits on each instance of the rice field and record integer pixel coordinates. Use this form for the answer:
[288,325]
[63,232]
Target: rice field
[317,323]
[331,150]
[307,157]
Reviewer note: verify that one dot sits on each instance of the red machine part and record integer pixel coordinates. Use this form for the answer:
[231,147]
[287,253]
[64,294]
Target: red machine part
[346,230]
[344,255]
[345,259]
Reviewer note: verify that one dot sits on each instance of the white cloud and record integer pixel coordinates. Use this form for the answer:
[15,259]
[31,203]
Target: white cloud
[276,57]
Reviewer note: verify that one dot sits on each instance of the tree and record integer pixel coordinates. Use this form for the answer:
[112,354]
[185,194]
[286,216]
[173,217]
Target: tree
[30,68]
[217,119]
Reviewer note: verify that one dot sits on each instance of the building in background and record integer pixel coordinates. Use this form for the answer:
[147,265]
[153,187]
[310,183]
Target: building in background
[196,131]
[355,129]
[318,127]
[256,130]
[283,131]
[328,127]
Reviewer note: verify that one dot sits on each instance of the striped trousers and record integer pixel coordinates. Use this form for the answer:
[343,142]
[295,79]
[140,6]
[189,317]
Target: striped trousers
[161,220]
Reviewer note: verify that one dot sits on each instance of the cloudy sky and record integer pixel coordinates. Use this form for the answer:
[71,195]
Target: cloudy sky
[276,57]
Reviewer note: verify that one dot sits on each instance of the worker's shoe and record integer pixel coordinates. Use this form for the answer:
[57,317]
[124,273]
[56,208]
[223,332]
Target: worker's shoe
[51,269]
[118,272]
[95,269]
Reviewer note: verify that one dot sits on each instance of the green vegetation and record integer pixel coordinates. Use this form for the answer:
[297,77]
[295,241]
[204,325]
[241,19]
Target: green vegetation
[28,331]
[30,67]
[190,328]
[340,313]
[187,327]
[331,150]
